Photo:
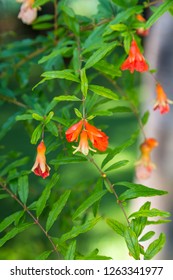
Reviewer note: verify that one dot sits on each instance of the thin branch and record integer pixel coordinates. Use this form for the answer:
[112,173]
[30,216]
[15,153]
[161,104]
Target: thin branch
[4,187]
[12,101]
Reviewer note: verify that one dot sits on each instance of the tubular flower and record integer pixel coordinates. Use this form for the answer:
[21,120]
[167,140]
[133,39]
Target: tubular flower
[83,144]
[89,132]
[141,31]
[98,138]
[73,132]
[162,102]
[145,166]
[40,168]
[27,13]
[135,60]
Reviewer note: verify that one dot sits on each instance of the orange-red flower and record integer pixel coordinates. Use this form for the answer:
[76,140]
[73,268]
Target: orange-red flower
[145,166]
[162,102]
[135,60]
[73,132]
[40,167]
[98,138]
[141,31]
[27,13]
[89,132]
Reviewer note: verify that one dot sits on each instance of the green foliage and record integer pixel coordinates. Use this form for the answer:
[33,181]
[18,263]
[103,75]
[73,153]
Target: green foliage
[79,61]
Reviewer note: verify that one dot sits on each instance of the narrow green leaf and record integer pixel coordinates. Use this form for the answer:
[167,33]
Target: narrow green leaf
[118,227]
[99,54]
[147,236]
[118,27]
[88,203]
[102,91]
[155,247]
[70,255]
[76,230]
[53,54]
[63,74]
[150,213]
[44,255]
[51,126]
[23,188]
[108,69]
[9,220]
[37,117]
[56,209]
[13,165]
[84,82]
[2,196]
[12,233]
[38,3]
[36,135]
[132,243]
[24,117]
[158,13]
[41,203]
[117,165]
[112,153]
[158,222]
[137,190]
[78,113]
[49,117]
[145,117]
[67,160]
[66,98]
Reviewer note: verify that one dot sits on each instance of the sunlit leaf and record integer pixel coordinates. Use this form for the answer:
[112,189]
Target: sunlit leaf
[155,247]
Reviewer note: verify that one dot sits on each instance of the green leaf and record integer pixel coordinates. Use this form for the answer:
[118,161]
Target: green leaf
[49,117]
[9,220]
[88,203]
[84,82]
[63,74]
[38,3]
[7,125]
[145,117]
[102,91]
[23,188]
[155,247]
[76,230]
[158,222]
[37,117]
[66,98]
[118,227]
[56,209]
[117,150]
[78,113]
[53,54]
[44,255]
[108,69]
[117,165]
[36,135]
[150,213]
[24,117]
[51,126]
[12,233]
[158,13]
[2,196]
[41,203]
[147,236]
[70,255]
[99,54]
[137,190]
[67,160]
[138,224]
[132,243]
[118,27]
[42,26]
[13,165]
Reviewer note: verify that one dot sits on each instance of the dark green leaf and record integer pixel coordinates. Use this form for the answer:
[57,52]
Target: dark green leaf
[51,126]
[38,3]
[41,203]
[137,190]
[56,209]
[88,203]
[13,165]
[155,247]
[118,227]
[132,243]
[9,220]
[23,188]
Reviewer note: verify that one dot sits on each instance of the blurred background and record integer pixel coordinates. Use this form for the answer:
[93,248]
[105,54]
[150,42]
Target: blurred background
[159,53]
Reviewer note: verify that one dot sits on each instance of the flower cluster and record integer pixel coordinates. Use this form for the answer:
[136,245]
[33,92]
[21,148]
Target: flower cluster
[87,132]
[145,166]
[141,31]
[162,102]
[40,167]
[135,60]
[27,13]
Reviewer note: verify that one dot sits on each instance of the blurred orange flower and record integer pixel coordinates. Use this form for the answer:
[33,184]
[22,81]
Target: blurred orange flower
[145,166]
[40,167]
[162,102]
[135,60]
[27,13]
[141,31]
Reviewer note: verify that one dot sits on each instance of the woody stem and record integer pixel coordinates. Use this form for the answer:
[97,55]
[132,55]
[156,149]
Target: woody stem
[25,208]
[91,159]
